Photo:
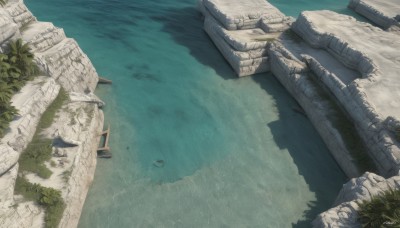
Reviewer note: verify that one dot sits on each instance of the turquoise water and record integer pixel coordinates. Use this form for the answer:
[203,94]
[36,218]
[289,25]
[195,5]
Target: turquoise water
[235,153]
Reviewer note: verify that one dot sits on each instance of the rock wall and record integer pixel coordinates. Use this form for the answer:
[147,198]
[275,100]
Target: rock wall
[65,65]
[386,14]
[294,76]
[242,31]
[357,98]
[344,212]
[31,102]
[81,123]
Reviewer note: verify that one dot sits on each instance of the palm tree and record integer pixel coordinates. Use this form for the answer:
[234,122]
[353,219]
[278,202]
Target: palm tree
[21,58]
[4,67]
[6,93]
[3,2]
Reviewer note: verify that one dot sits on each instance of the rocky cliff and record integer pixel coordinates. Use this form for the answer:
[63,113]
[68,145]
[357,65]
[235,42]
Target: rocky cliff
[242,31]
[344,212]
[63,64]
[385,14]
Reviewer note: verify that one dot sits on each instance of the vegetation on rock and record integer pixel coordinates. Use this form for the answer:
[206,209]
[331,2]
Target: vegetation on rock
[39,149]
[16,68]
[49,198]
[32,160]
[381,211]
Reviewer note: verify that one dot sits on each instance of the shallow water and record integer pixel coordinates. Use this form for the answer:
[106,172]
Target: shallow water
[234,152]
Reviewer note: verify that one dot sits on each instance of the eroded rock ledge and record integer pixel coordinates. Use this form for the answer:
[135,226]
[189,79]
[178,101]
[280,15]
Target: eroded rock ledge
[80,119]
[342,72]
[344,212]
[385,14]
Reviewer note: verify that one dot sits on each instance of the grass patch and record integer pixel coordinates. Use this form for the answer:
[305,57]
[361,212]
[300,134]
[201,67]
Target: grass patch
[348,131]
[65,175]
[381,211]
[49,198]
[53,163]
[39,149]
[48,116]
[37,152]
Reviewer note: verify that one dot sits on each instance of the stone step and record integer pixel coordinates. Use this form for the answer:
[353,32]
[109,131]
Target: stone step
[244,63]
[42,36]
[275,27]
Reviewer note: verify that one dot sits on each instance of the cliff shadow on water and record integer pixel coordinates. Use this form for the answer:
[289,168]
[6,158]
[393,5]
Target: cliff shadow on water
[295,133]
[292,131]
[185,25]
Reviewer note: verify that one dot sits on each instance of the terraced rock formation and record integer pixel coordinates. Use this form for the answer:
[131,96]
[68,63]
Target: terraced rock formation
[63,64]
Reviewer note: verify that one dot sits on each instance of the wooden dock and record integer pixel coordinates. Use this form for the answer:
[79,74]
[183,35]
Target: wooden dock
[105,149]
[104,81]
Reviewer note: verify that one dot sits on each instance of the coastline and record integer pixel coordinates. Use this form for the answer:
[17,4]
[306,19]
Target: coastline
[85,161]
[80,120]
[340,82]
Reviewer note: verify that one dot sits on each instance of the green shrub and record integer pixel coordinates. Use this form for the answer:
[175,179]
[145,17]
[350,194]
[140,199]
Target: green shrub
[381,211]
[16,68]
[48,116]
[49,198]
[36,153]
[39,149]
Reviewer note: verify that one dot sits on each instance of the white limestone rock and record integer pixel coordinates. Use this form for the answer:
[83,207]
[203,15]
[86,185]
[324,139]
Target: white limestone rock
[31,101]
[79,124]
[386,13]
[8,158]
[19,12]
[8,28]
[89,98]
[235,15]
[366,186]
[7,183]
[244,63]
[294,76]
[344,214]
[41,36]
[22,215]
[374,97]
[66,63]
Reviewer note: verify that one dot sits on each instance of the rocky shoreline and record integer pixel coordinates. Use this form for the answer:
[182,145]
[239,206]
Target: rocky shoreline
[329,63]
[80,120]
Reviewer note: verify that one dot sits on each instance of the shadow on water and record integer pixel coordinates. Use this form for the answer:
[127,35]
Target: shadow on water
[186,28]
[291,132]
[313,160]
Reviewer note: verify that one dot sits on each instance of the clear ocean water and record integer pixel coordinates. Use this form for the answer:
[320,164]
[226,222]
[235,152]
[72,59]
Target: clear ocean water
[235,153]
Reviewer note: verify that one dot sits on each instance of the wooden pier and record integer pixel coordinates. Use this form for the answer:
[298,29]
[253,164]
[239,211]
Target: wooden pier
[104,81]
[104,151]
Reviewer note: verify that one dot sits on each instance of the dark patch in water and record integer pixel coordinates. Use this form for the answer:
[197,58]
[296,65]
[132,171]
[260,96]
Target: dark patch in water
[155,110]
[186,28]
[181,115]
[145,76]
